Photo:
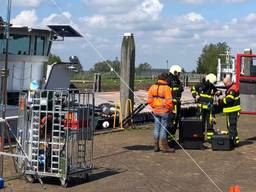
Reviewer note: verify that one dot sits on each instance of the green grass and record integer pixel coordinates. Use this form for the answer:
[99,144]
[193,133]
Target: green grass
[113,84]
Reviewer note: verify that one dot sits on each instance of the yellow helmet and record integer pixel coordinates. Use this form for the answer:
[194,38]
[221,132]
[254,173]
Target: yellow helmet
[211,78]
[174,68]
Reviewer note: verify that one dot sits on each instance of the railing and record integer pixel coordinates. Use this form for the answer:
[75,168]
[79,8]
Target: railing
[12,120]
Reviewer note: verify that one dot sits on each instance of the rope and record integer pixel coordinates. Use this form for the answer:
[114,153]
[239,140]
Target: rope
[122,80]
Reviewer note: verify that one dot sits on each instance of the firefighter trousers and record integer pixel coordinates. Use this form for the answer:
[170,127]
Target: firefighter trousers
[172,131]
[206,116]
[232,126]
[176,116]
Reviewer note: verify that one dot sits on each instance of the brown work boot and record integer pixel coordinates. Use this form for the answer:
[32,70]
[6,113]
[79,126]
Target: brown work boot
[164,147]
[156,146]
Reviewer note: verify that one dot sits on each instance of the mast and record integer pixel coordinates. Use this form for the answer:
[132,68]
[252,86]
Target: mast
[4,75]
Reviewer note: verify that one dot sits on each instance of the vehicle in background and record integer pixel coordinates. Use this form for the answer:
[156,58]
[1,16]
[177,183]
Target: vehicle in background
[224,68]
[246,80]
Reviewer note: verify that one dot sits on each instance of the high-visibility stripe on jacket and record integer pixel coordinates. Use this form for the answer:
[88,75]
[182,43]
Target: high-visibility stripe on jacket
[176,93]
[160,97]
[206,94]
[176,86]
[231,102]
[205,99]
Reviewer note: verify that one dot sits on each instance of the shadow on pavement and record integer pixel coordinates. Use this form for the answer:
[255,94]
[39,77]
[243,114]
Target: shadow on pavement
[251,139]
[245,142]
[140,147]
[95,175]
[100,174]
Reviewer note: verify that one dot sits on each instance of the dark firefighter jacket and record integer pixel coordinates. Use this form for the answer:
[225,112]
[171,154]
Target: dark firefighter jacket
[231,102]
[206,91]
[177,88]
[160,97]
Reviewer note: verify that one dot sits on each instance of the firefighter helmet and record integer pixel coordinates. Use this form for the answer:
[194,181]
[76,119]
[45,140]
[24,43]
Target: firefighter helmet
[211,78]
[174,68]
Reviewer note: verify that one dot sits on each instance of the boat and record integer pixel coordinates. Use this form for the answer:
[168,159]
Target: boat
[28,53]
[27,61]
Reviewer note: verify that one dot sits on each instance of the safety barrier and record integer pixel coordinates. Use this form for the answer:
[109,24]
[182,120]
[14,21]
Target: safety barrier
[12,120]
[128,110]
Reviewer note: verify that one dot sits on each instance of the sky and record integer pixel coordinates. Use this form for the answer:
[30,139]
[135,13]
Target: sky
[164,30]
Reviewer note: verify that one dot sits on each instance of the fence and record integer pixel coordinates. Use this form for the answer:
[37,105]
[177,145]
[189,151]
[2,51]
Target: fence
[152,74]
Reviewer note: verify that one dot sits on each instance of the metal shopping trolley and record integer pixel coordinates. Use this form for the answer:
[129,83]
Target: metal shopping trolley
[56,132]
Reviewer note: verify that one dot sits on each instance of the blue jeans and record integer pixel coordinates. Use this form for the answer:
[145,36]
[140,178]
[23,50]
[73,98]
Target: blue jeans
[161,124]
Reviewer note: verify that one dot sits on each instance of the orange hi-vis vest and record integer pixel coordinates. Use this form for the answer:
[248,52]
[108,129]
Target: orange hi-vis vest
[70,121]
[160,97]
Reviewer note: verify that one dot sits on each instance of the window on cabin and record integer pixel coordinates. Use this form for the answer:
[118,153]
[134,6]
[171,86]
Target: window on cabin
[2,44]
[39,45]
[248,66]
[18,44]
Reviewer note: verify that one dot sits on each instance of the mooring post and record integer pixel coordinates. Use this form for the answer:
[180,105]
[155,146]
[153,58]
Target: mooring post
[97,82]
[127,74]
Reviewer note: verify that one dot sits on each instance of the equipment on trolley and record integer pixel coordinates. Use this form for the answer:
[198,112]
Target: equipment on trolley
[56,133]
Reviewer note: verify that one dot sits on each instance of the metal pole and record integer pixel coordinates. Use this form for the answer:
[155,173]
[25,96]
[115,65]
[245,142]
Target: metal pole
[4,88]
[167,66]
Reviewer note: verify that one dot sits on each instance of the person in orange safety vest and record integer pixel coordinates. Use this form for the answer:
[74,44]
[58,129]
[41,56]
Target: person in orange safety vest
[160,100]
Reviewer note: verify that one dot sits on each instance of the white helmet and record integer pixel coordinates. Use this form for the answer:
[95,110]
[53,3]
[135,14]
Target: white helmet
[211,78]
[174,68]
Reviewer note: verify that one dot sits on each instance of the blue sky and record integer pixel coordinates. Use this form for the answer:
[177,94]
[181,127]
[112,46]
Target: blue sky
[173,30]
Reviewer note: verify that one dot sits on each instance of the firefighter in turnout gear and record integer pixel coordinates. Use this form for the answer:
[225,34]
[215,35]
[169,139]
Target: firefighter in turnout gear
[177,89]
[204,93]
[231,106]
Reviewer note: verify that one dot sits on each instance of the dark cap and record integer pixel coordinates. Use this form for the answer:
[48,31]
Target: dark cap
[163,76]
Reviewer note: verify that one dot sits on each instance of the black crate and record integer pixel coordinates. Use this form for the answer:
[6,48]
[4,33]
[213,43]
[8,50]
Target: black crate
[192,144]
[191,133]
[222,143]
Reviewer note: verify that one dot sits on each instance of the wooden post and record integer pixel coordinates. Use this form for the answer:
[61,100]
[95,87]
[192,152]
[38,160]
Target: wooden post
[127,73]
[97,82]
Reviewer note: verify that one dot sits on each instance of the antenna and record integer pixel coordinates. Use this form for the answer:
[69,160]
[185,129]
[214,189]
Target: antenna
[227,57]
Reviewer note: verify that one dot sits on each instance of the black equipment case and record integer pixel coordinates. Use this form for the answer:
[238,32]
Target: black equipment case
[222,142]
[191,133]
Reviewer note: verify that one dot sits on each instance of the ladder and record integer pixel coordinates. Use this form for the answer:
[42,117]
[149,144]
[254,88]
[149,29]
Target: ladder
[58,133]
[35,133]
[81,151]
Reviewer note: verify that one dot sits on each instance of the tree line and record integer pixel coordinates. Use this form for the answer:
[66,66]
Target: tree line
[108,66]
[207,62]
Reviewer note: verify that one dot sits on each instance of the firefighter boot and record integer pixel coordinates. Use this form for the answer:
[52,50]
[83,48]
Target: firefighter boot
[209,135]
[156,146]
[171,141]
[164,147]
[236,141]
